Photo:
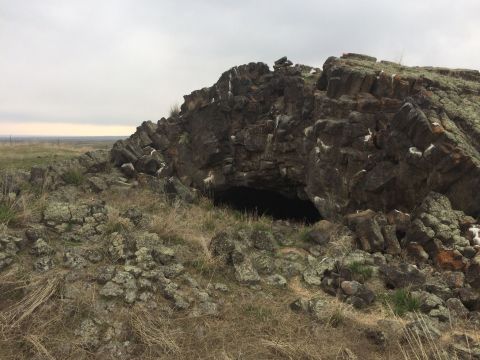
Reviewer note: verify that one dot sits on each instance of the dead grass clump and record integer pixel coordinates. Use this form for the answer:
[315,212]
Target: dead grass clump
[116,223]
[155,333]
[422,344]
[288,350]
[174,110]
[38,292]
[37,344]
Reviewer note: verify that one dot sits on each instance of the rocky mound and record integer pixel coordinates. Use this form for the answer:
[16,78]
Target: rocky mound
[132,262]
[360,134]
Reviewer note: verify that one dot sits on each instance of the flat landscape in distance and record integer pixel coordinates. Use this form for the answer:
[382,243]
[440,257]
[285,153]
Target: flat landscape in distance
[25,152]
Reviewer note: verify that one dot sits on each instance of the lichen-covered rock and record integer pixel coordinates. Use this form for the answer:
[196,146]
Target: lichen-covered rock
[43,264]
[111,290]
[95,161]
[57,213]
[97,184]
[9,247]
[357,294]
[89,334]
[41,248]
[359,134]
[246,273]
[402,275]
[437,228]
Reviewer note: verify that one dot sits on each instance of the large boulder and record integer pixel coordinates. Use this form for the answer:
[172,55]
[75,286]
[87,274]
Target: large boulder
[359,134]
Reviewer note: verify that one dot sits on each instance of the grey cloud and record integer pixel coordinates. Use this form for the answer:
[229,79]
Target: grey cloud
[124,61]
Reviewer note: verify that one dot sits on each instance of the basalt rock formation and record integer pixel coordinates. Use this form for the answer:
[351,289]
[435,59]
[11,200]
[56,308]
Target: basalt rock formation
[380,164]
[358,134]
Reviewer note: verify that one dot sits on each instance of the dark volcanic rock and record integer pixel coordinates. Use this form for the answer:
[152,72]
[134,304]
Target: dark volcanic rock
[359,134]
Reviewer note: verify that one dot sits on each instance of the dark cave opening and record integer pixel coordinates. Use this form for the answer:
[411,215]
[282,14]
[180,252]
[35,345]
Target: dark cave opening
[266,202]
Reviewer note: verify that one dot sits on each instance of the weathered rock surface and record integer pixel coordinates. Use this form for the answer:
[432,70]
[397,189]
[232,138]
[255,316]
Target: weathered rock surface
[387,154]
[359,134]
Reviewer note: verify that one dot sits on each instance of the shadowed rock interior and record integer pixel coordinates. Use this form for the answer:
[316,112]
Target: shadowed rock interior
[266,202]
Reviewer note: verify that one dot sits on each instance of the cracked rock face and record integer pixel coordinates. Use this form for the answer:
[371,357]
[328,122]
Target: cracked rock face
[359,134]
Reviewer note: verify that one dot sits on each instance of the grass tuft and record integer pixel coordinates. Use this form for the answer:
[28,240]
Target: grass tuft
[360,271]
[73,177]
[174,110]
[7,214]
[155,332]
[402,301]
[258,312]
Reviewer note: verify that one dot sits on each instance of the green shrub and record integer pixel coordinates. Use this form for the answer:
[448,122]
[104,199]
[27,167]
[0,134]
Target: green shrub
[361,271]
[402,301]
[7,214]
[73,177]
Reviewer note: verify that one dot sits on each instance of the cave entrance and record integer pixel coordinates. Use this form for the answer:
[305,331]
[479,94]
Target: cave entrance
[266,202]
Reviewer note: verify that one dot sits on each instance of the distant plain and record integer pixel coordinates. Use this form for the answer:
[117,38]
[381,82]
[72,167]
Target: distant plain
[25,152]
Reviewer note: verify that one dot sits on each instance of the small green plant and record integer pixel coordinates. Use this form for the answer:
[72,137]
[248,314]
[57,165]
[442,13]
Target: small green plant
[361,271]
[304,234]
[174,110]
[259,312]
[336,318]
[69,227]
[7,214]
[402,301]
[204,267]
[184,139]
[73,177]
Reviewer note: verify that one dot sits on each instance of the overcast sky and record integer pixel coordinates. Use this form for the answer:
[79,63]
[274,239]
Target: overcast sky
[101,67]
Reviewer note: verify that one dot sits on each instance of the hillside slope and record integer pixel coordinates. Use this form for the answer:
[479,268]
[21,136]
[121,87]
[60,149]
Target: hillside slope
[289,214]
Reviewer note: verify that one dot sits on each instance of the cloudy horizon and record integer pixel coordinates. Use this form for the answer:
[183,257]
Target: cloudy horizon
[101,68]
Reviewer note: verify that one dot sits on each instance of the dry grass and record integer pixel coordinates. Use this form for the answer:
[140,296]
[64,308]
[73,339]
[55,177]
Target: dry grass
[291,351]
[155,333]
[193,224]
[35,341]
[252,323]
[20,210]
[39,291]
[27,154]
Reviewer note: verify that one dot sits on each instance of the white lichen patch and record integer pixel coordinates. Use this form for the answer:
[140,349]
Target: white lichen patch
[210,179]
[428,150]
[475,232]
[368,137]
[307,131]
[324,146]
[415,152]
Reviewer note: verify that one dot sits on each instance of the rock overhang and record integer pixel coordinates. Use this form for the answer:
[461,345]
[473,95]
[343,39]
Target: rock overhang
[358,134]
